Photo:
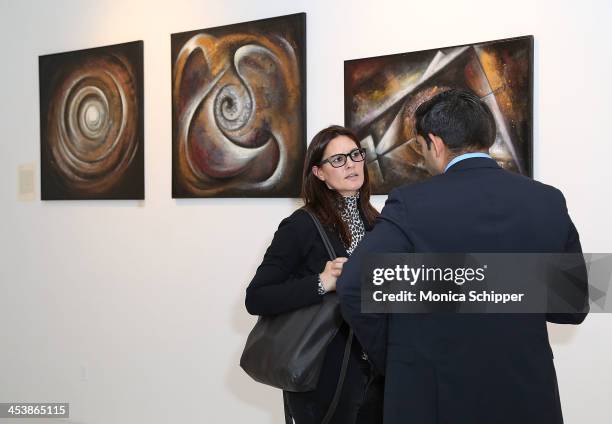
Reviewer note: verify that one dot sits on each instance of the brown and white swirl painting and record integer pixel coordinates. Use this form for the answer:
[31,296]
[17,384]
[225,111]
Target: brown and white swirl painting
[238,104]
[92,123]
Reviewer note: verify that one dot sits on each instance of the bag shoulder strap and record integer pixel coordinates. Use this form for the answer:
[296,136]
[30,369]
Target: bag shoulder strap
[343,370]
[288,417]
[347,348]
[326,242]
[336,398]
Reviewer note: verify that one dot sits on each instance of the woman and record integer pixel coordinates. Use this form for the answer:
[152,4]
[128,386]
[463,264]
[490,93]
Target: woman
[295,272]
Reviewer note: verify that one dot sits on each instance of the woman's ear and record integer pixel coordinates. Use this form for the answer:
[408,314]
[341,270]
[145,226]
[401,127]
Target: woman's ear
[318,173]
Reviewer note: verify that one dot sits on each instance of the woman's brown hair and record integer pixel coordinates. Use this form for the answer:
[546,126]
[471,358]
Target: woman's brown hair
[324,202]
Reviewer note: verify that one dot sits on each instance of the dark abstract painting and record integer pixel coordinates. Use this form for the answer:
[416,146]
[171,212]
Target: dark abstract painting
[238,109]
[91,123]
[381,95]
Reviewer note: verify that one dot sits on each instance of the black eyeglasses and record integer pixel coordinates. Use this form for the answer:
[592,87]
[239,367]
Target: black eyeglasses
[339,160]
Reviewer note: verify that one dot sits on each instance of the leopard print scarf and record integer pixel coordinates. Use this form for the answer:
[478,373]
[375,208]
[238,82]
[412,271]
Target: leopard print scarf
[350,215]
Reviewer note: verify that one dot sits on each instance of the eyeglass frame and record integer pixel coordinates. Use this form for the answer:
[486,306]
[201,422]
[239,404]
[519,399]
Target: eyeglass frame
[347,156]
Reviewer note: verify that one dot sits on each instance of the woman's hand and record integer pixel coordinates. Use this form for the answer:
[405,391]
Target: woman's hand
[330,274]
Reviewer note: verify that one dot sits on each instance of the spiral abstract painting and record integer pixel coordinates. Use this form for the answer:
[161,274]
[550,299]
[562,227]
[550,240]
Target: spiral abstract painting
[381,95]
[91,121]
[238,109]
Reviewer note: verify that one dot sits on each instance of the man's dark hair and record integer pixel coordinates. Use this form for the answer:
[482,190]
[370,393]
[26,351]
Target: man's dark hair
[459,117]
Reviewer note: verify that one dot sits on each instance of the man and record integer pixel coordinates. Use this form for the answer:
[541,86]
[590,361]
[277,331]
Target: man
[463,368]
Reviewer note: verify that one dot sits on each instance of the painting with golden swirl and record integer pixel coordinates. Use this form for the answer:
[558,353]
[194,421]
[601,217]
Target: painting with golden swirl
[238,109]
[382,93]
[91,123]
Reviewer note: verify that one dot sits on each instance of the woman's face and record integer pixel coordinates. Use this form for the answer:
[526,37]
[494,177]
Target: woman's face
[346,179]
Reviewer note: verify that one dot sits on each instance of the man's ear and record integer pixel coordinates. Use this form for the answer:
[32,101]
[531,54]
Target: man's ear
[317,173]
[438,144]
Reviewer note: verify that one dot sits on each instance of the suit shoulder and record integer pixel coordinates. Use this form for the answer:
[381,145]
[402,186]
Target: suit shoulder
[299,221]
[547,191]
[294,232]
[415,189]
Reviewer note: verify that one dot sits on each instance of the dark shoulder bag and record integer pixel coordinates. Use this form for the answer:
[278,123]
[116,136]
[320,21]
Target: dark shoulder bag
[286,351]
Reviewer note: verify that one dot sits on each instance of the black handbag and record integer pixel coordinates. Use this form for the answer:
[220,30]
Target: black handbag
[286,351]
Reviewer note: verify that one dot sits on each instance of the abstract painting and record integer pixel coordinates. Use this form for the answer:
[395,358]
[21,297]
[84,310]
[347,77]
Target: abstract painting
[381,95]
[91,123]
[238,109]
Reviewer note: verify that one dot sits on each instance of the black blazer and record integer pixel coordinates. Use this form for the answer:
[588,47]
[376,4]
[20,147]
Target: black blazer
[465,368]
[287,279]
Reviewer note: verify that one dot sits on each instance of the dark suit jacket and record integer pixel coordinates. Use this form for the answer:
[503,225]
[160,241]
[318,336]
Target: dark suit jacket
[465,368]
[287,280]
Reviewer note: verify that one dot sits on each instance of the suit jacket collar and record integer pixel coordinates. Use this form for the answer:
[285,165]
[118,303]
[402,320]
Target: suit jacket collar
[335,240]
[473,163]
[366,225]
[337,244]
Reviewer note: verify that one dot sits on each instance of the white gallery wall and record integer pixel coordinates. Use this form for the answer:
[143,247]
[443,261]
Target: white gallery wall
[133,311]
